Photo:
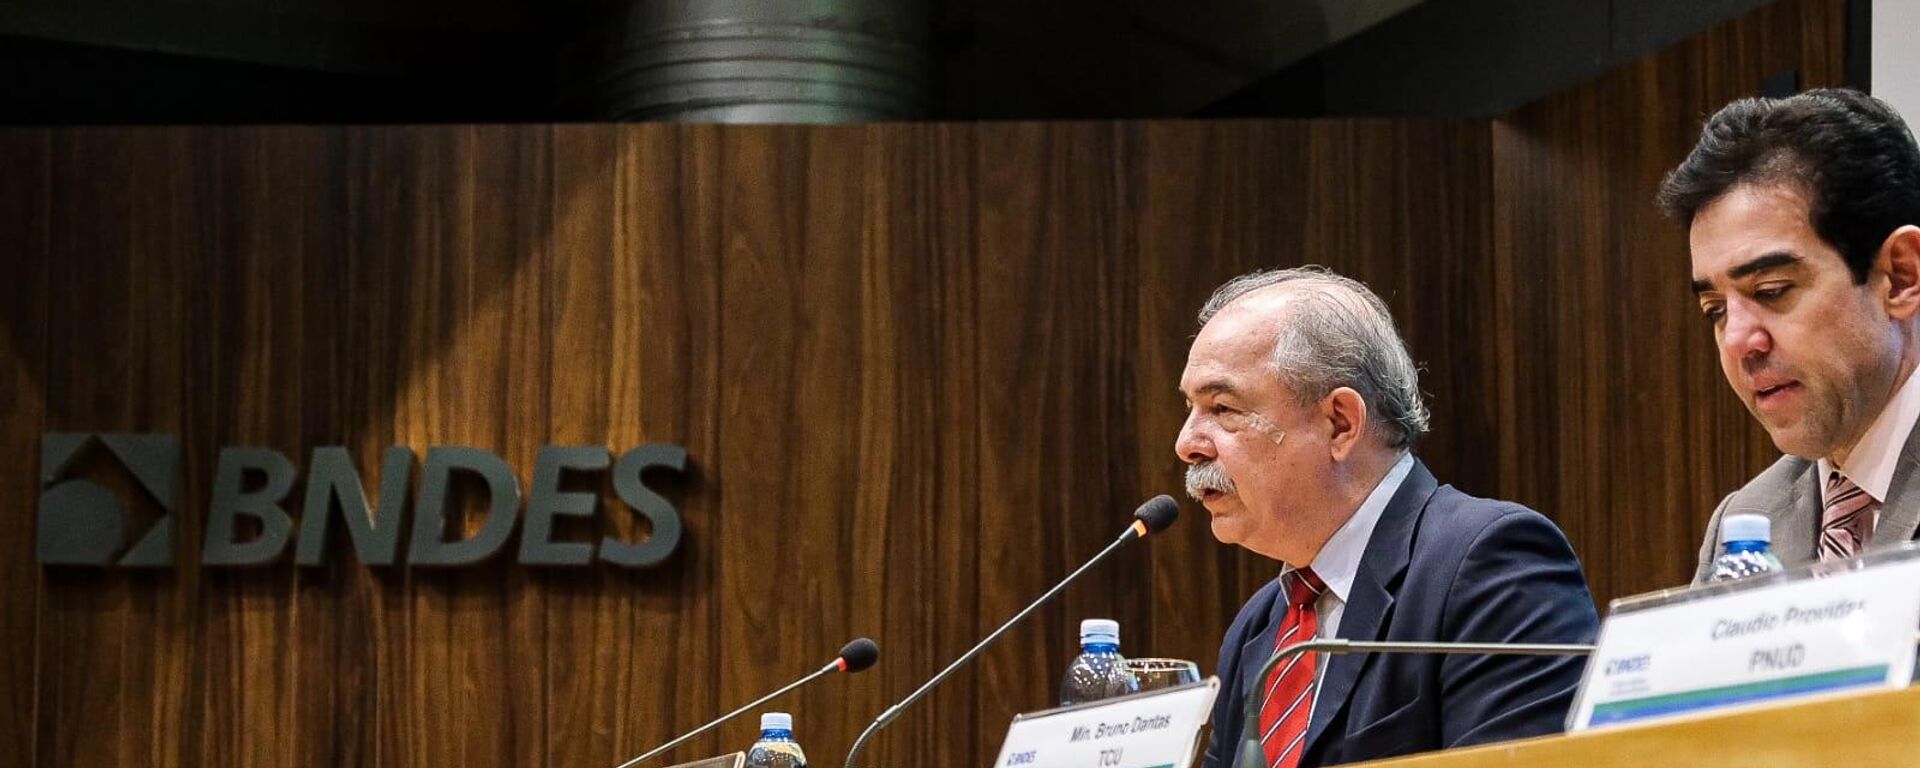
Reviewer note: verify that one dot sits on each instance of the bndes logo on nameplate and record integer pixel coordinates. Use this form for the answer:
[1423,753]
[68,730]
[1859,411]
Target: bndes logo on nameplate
[112,499]
[1147,730]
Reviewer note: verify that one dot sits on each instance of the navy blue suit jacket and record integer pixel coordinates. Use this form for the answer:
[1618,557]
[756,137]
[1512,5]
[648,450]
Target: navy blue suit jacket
[1441,566]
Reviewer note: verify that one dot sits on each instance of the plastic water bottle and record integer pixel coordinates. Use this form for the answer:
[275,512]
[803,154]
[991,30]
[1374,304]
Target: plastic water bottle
[1100,672]
[776,747]
[1744,549]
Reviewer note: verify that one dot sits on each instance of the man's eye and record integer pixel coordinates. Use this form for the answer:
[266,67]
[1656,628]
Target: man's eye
[1712,313]
[1771,292]
[1222,410]
[1229,419]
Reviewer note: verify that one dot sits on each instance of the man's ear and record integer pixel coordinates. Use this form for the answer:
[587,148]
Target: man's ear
[1346,414]
[1900,257]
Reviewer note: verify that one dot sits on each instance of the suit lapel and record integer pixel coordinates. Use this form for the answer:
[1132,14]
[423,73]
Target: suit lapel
[1900,515]
[1797,529]
[1255,652]
[1369,601]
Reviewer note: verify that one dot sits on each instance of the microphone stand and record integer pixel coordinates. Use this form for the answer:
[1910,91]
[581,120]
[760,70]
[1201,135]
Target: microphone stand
[831,667]
[894,711]
[1250,745]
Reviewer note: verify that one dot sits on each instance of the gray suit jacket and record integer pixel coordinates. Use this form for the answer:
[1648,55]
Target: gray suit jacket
[1789,493]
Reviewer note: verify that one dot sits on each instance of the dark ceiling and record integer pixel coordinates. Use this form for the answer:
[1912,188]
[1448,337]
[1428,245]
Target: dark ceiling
[367,61]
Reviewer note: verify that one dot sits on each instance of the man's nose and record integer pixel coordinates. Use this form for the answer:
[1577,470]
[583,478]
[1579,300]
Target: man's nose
[1745,334]
[1193,445]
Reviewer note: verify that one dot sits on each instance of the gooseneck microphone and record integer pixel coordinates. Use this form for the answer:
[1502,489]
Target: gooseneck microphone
[1250,730]
[1152,517]
[854,657]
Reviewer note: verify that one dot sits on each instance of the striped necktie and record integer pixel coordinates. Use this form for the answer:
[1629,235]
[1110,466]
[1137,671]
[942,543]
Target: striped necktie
[1848,520]
[1288,702]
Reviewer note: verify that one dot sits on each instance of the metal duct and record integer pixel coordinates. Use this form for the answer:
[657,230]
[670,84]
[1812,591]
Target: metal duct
[768,61]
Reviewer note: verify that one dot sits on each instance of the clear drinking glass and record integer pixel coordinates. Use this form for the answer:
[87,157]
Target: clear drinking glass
[1156,674]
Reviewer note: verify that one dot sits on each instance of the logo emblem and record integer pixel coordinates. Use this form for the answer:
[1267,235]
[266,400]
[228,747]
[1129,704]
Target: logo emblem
[83,522]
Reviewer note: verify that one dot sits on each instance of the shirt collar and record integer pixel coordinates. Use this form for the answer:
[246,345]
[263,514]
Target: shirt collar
[1874,458]
[1339,560]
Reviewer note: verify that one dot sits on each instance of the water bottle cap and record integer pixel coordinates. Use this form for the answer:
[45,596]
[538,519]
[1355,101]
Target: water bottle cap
[1099,631]
[776,721]
[1746,527]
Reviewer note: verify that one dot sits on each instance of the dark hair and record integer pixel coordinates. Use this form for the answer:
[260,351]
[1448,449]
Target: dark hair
[1848,152]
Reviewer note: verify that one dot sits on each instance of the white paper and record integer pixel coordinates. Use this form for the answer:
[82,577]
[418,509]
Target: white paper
[1793,639]
[1148,730]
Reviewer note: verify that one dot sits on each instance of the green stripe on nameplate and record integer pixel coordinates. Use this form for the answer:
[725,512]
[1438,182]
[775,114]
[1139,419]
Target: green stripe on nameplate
[1735,694]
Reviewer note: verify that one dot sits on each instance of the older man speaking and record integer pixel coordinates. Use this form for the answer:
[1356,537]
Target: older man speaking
[1303,409]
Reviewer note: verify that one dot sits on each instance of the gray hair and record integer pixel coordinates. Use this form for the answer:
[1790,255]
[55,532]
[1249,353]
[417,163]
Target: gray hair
[1337,333]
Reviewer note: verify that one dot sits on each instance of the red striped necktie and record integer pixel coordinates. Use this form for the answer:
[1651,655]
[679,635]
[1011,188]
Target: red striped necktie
[1288,702]
[1848,521]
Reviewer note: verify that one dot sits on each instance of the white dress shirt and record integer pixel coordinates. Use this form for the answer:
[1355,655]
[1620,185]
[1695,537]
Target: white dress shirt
[1874,458]
[1339,560]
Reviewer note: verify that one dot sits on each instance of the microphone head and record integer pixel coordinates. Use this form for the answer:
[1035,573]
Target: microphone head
[1158,513]
[859,654]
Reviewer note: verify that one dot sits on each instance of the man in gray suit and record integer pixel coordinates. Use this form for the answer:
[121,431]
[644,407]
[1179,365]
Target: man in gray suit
[1801,217]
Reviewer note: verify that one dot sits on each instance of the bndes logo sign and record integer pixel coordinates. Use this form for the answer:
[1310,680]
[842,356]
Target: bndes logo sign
[87,512]
[84,523]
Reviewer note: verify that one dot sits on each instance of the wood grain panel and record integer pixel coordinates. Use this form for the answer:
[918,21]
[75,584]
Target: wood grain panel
[25,229]
[256,356]
[797,366]
[331,637]
[467,624]
[377,238]
[1044,413]
[505,676]
[668,208]
[572,331]
[86,619]
[922,296]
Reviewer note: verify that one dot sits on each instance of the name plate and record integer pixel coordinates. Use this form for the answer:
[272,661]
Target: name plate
[1807,633]
[1158,729]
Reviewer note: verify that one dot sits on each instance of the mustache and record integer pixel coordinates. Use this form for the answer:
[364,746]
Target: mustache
[1755,367]
[1207,476]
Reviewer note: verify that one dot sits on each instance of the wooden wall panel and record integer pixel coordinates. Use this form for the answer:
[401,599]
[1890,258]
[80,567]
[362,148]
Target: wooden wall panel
[925,313]
[98,637]
[25,231]
[333,639]
[793,363]
[588,630]
[378,252]
[1613,415]
[1052,314]
[921,371]
[668,206]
